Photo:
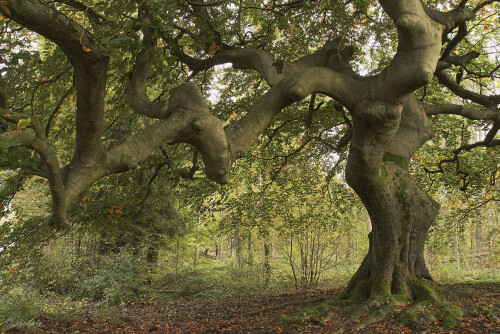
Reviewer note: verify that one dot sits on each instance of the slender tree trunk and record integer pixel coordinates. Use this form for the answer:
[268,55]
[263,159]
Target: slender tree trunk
[221,240]
[456,245]
[197,246]
[238,244]
[292,265]
[78,246]
[267,262]
[479,241]
[177,257]
[479,236]
[152,255]
[348,249]
[249,249]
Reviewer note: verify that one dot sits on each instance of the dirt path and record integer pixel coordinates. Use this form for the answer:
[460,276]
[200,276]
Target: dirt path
[270,314]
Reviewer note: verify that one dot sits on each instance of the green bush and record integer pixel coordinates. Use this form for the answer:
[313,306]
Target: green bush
[113,279]
[18,310]
[119,279]
[229,282]
[449,273]
[63,311]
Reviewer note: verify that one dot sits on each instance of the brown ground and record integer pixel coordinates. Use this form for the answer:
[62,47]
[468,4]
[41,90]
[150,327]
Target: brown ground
[237,316]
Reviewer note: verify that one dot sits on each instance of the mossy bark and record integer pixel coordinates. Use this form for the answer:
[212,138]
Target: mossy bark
[400,212]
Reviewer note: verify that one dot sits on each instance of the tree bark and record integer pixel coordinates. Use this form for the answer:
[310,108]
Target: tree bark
[267,262]
[400,212]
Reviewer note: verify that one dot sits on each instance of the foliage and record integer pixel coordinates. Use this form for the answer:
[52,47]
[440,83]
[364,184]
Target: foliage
[111,279]
[61,311]
[18,309]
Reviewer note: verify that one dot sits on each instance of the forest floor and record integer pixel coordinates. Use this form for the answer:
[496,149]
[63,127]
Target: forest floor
[268,314]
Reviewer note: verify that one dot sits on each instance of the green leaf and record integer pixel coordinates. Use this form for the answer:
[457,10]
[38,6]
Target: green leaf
[23,123]
[5,145]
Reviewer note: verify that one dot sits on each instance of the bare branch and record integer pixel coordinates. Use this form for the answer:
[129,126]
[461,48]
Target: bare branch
[483,4]
[95,17]
[462,60]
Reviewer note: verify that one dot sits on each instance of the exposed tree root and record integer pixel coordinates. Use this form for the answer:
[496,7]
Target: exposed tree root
[426,303]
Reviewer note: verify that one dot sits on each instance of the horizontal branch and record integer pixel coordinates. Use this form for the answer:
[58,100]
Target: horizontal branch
[333,55]
[464,111]
[462,60]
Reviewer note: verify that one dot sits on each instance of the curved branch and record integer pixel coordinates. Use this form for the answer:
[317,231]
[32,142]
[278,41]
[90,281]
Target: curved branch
[243,133]
[49,160]
[95,17]
[462,60]
[485,100]
[450,19]
[460,35]
[483,4]
[56,110]
[489,141]
[35,139]
[464,111]
[334,54]
[66,33]
[136,87]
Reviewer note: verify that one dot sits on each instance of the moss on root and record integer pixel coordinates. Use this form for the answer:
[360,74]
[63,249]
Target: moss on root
[429,307]
[451,314]
[425,291]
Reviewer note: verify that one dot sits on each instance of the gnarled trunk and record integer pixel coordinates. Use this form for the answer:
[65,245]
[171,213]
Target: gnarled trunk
[400,212]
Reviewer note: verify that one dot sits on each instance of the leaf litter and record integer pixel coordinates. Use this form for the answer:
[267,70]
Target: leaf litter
[265,314]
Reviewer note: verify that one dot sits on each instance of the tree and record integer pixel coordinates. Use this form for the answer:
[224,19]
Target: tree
[386,123]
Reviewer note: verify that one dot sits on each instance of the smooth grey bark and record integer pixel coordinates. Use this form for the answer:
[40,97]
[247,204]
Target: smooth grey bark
[400,212]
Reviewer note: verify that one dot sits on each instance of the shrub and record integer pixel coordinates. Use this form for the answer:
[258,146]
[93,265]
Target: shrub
[18,310]
[229,282]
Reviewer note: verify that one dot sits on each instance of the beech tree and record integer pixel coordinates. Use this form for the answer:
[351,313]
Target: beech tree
[132,50]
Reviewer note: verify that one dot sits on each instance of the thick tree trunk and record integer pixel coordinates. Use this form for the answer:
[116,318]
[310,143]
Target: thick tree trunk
[400,212]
